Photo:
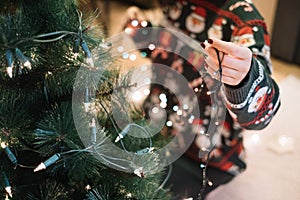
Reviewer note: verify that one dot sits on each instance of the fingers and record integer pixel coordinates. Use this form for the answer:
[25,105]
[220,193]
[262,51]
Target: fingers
[229,75]
[233,70]
[210,61]
[234,60]
[213,54]
[230,48]
[239,59]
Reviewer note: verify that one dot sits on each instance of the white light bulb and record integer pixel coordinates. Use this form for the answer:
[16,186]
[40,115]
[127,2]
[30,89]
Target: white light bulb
[9,71]
[27,64]
[40,167]
[151,46]
[144,23]
[90,62]
[135,23]
[8,190]
[3,145]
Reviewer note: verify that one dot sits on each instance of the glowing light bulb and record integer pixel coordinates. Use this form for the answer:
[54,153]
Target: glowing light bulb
[151,47]
[163,97]
[144,23]
[169,123]
[179,112]
[125,55]
[132,57]
[175,108]
[129,195]
[163,104]
[135,23]
[88,187]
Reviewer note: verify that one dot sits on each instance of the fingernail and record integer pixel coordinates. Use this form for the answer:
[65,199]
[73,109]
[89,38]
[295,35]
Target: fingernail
[202,45]
[210,41]
[205,65]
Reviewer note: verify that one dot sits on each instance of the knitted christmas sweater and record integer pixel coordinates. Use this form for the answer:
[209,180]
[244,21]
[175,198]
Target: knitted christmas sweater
[249,105]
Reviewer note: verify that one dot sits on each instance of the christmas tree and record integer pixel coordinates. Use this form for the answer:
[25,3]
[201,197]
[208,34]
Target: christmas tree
[59,89]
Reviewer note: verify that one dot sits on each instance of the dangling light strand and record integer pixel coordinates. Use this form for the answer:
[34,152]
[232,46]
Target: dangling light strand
[214,96]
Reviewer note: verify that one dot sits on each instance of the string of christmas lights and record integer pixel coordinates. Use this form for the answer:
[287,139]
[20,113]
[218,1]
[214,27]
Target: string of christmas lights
[12,49]
[208,142]
[214,94]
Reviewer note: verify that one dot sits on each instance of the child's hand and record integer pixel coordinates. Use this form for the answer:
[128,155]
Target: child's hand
[235,60]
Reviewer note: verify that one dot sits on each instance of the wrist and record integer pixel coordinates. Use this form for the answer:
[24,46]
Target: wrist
[238,93]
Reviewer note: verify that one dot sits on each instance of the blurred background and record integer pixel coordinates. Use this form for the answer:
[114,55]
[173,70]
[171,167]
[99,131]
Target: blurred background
[273,154]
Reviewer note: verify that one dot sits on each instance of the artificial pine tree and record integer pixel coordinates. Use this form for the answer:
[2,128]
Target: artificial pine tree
[57,86]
